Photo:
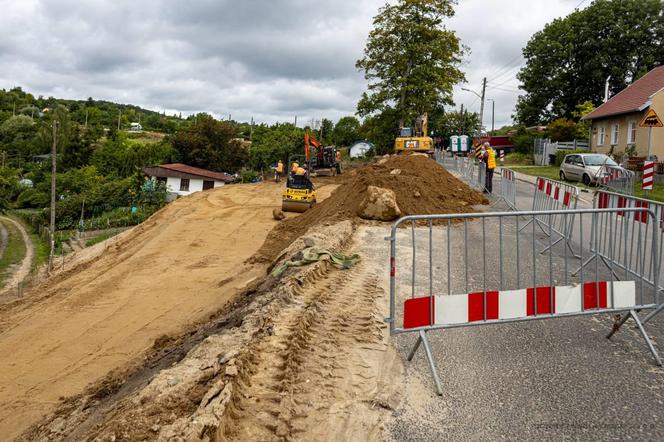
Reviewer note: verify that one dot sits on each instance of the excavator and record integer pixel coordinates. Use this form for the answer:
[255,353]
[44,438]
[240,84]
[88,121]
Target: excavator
[324,160]
[417,140]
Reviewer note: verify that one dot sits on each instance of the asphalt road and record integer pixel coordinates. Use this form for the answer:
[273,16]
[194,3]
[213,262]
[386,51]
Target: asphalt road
[551,379]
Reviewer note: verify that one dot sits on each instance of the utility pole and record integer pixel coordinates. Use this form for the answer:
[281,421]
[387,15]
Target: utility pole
[251,130]
[482,105]
[463,122]
[53,171]
[86,118]
[295,124]
[119,115]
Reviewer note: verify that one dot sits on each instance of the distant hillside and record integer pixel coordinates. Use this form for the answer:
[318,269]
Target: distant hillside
[99,113]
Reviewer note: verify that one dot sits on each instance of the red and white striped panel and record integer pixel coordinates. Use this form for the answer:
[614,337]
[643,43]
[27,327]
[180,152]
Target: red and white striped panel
[553,190]
[611,201]
[508,174]
[648,174]
[514,304]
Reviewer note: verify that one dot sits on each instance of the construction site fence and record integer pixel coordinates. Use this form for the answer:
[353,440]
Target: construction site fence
[615,248]
[508,188]
[551,195]
[461,270]
[617,179]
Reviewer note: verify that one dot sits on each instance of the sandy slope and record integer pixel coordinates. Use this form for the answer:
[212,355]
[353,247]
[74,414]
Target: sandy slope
[184,263]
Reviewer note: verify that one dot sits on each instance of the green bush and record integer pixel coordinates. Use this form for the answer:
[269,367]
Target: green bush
[560,155]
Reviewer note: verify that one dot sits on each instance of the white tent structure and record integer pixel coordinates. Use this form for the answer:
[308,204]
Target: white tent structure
[360,149]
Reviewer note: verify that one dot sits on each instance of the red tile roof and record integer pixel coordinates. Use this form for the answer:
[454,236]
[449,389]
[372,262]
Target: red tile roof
[633,98]
[179,167]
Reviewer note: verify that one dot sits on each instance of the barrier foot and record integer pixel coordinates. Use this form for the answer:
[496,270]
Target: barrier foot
[588,261]
[632,314]
[653,313]
[432,365]
[652,348]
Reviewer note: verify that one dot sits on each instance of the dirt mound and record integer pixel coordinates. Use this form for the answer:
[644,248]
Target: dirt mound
[420,184]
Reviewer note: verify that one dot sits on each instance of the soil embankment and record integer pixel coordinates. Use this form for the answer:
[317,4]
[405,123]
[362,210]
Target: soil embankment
[421,187]
[175,269]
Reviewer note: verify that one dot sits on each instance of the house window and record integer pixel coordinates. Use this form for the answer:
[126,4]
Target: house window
[208,185]
[614,134]
[184,184]
[602,134]
[631,135]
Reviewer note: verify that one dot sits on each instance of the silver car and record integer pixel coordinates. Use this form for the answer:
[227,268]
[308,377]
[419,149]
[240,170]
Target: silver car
[585,167]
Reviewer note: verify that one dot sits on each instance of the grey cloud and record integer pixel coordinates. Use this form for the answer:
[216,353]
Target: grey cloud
[268,59]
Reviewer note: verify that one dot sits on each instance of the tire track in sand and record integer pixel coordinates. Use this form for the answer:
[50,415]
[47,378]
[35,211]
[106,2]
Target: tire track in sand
[325,350]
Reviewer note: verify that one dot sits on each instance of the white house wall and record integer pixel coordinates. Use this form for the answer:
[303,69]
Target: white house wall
[173,185]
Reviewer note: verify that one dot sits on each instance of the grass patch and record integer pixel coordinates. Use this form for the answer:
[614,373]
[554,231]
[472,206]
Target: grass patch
[100,238]
[15,251]
[551,172]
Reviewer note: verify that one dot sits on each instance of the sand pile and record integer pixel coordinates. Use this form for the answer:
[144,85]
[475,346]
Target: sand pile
[420,184]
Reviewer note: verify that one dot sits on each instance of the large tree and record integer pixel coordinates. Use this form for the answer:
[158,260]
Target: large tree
[411,60]
[569,60]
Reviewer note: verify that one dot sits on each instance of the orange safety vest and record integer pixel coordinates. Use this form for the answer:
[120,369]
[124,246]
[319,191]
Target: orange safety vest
[294,167]
[280,167]
[490,158]
[300,171]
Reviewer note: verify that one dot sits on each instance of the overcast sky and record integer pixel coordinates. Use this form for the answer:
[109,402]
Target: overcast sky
[270,59]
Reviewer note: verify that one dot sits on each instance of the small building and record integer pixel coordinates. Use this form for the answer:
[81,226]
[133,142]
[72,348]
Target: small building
[135,127]
[360,149]
[183,180]
[615,124]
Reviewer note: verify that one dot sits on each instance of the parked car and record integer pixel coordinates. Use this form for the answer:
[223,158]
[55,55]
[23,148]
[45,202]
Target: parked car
[585,167]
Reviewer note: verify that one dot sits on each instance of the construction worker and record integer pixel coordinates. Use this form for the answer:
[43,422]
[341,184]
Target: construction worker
[300,171]
[338,156]
[489,157]
[294,167]
[280,171]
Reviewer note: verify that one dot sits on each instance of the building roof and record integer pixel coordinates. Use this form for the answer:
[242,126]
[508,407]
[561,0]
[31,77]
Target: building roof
[634,98]
[188,170]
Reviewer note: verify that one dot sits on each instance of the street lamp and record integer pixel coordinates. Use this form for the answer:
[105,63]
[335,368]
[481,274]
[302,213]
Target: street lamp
[493,112]
[471,91]
[481,97]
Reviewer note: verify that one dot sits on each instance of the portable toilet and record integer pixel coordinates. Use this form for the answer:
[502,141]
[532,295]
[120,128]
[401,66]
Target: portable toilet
[454,143]
[463,143]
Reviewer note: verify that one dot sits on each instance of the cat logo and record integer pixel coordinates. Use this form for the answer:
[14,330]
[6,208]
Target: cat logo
[651,120]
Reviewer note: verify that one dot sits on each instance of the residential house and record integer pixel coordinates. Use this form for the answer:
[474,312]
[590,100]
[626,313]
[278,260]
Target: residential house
[615,124]
[183,180]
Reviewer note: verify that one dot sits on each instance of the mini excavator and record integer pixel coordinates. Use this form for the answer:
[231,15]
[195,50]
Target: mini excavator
[324,160]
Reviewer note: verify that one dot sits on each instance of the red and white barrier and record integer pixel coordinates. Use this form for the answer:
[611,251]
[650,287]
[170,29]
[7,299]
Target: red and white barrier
[502,156]
[514,304]
[648,174]
[555,191]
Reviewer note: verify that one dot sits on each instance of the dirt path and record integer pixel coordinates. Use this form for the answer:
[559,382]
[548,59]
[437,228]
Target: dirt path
[24,268]
[175,269]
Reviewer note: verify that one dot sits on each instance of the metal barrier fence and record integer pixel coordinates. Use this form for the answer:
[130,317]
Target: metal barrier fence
[618,179]
[507,188]
[450,271]
[628,234]
[555,195]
